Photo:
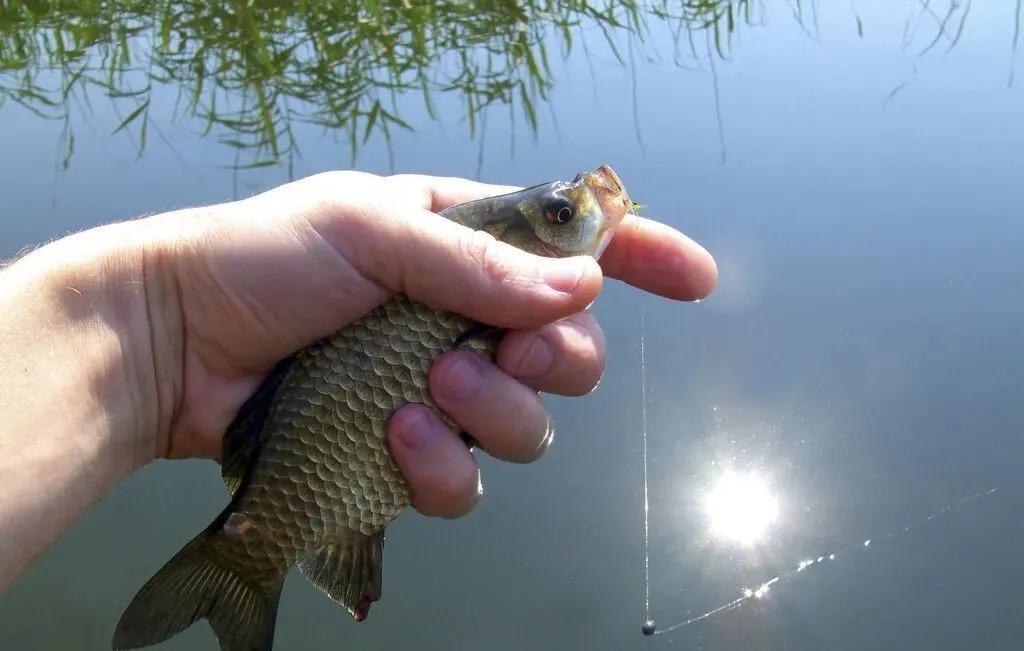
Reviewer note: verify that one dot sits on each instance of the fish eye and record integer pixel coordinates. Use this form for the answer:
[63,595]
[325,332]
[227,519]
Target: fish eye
[559,210]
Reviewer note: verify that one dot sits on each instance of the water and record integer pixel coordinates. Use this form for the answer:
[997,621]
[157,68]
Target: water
[862,350]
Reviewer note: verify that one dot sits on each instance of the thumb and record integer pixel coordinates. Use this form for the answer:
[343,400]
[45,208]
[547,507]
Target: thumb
[452,267]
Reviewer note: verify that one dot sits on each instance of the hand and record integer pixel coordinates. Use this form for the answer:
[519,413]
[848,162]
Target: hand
[232,288]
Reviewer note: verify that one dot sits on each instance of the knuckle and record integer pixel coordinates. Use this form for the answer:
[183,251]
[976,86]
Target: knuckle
[482,249]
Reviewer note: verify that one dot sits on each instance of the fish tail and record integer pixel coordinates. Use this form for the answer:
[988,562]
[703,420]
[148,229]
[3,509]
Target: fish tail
[197,584]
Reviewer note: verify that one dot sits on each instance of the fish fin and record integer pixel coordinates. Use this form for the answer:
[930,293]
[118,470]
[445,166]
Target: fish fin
[194,585]
[478,331]
[348,571]
[242,437]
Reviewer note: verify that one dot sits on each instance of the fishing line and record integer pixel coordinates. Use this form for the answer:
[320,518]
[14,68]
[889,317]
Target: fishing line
[747,594]
[648,627]
[750,594]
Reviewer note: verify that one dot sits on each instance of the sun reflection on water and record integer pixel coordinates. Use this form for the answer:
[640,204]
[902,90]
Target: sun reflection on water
[741,508]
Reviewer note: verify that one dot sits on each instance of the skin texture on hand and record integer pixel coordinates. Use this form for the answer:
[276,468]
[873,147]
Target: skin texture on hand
[182,314]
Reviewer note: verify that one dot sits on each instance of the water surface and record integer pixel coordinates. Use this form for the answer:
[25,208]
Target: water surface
[854,168]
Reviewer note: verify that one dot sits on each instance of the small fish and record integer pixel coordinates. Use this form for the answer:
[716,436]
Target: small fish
[311,479]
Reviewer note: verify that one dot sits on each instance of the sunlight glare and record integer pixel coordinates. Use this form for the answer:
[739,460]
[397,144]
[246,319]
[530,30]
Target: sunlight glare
[741,508]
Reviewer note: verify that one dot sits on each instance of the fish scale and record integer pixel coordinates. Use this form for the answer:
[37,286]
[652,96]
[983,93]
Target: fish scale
[306,460]
[362,384]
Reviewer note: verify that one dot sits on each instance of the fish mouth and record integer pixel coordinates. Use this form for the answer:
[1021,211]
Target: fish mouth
[610,194]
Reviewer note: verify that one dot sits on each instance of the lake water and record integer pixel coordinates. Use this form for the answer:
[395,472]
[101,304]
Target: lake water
[855,168]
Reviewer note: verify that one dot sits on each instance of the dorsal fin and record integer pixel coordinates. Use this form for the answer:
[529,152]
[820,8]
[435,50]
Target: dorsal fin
[242,437]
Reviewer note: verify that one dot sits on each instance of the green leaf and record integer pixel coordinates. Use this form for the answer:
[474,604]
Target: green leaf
[136,112]
[371,120]
[531,115]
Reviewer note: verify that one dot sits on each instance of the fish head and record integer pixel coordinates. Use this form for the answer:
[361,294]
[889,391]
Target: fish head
[568,218]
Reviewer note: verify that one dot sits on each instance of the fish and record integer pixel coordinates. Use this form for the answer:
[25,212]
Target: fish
[305,459]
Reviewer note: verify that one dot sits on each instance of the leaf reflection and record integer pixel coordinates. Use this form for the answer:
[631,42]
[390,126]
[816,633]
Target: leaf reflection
[250,70]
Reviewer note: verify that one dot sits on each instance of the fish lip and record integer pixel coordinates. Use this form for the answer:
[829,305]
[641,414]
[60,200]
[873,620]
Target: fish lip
[610,194]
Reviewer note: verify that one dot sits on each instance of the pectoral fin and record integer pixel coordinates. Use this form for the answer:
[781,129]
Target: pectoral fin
[348,571]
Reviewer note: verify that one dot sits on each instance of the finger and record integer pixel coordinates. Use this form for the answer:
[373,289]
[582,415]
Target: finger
[439,192]
[443,476]
[644,253]
[334,246]
[657,258]
[451,267]
[566,357]
[506,417]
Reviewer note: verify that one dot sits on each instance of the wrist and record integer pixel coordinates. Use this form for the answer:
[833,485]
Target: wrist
[89,340]
[97,309]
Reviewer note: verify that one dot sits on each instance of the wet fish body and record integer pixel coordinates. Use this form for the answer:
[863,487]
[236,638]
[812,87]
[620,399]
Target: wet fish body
[311,479]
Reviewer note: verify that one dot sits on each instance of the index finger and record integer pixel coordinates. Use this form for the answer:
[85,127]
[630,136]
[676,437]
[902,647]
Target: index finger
[440,192]
[659,259]
[644,253]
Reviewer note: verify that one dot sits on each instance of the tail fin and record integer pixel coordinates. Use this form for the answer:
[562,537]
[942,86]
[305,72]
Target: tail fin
[191,586]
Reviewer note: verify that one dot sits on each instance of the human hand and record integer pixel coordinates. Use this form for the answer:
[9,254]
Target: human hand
[232,288]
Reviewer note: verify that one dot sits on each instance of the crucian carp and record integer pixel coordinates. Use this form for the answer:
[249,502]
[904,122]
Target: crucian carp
[305,460]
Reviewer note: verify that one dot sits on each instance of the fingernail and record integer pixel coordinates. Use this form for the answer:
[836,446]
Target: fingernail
[419,428]
[564,274]
[538,360]
[464,378]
